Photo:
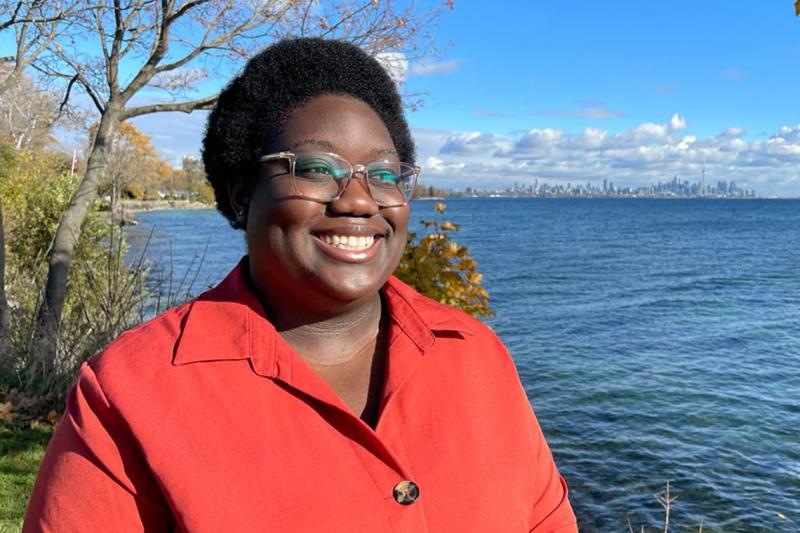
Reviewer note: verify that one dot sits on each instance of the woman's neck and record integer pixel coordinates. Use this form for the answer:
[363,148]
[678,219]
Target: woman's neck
[329,339]
[345,344]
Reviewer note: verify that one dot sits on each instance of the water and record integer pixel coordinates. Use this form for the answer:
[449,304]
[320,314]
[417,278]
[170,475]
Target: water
[657,340]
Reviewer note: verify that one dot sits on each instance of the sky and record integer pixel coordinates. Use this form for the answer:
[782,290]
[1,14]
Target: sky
[576,91]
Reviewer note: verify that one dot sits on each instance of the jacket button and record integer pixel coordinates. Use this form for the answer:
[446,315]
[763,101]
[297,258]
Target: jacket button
[406,492]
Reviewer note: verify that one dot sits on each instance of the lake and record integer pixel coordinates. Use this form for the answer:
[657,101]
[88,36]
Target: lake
[657,340]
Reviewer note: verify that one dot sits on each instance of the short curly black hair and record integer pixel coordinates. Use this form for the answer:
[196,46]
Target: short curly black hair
[252,108]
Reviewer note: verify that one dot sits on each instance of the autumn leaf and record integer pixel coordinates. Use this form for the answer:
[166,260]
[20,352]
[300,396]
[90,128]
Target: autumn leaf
[449,226]
[7,412]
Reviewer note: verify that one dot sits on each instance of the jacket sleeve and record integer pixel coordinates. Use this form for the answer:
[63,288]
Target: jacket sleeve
[551,511]
[94,476]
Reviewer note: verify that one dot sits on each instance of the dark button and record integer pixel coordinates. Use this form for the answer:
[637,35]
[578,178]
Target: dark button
[406,492]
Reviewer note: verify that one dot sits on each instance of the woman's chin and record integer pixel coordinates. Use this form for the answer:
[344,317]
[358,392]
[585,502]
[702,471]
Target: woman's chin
[348,284]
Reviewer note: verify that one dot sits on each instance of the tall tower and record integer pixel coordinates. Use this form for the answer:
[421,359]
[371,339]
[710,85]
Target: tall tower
[703,180]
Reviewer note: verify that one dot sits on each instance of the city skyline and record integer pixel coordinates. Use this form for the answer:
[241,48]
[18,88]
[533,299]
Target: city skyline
[674,188]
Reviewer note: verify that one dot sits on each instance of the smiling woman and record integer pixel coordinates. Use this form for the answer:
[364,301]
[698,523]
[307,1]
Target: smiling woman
[311,390]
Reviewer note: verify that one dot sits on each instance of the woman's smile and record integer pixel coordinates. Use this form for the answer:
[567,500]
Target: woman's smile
[351,243]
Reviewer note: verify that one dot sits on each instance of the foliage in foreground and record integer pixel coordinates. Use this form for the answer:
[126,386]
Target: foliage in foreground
[443,270]
[102,293]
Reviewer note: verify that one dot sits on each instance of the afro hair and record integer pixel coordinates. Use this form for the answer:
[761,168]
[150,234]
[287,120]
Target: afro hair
[252,108]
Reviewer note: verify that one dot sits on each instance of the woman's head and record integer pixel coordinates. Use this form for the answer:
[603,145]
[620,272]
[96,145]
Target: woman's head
[310,98]
[253,108]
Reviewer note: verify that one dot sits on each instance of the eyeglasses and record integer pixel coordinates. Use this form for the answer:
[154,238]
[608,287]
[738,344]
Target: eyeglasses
[323,177]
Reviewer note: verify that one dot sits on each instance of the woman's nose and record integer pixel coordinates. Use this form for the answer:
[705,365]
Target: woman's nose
[356,199]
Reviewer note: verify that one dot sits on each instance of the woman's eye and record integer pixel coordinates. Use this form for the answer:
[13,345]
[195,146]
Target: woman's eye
[384,177]
[315,167]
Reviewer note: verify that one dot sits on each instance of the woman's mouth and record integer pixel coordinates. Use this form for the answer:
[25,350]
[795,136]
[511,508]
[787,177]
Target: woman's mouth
[349,248]
[351,242]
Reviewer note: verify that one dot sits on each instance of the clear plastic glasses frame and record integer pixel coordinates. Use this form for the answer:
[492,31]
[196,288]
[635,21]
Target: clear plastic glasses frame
[322,184]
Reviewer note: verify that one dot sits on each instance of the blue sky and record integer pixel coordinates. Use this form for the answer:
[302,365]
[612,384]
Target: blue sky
[720,64]
[576,91]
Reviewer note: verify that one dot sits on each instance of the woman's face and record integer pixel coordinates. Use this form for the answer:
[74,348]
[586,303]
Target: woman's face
[291,241]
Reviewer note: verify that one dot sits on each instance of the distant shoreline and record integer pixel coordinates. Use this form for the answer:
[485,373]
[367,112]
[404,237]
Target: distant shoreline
[620,197]
[136,206]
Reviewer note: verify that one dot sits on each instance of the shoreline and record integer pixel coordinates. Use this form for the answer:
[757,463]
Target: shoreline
[137,206]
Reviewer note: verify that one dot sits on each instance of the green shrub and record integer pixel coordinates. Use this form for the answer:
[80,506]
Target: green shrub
[102,293]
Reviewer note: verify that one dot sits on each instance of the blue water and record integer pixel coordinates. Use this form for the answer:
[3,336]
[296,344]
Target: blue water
[657,340]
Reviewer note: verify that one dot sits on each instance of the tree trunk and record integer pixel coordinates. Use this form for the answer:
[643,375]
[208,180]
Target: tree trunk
[48,318]
[115,218]
[5,362]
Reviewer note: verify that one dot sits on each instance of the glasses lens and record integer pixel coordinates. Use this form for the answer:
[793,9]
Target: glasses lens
[390,182]
[319,176]
[279,172]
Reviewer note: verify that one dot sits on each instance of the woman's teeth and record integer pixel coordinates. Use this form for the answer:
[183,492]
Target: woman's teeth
[348,242]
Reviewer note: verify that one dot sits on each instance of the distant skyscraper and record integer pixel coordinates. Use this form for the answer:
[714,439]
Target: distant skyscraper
[703,180]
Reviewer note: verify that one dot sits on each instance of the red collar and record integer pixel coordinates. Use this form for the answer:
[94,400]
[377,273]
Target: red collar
[228,323]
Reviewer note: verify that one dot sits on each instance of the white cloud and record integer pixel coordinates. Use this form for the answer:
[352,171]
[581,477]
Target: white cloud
[645,153]
[677,122]
[731,133]
[434,164]
[431,68]
[473,143]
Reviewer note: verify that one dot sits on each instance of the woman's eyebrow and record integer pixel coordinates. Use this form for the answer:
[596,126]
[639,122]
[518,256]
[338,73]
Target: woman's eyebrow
[332,148]
[385,151]
[315,142]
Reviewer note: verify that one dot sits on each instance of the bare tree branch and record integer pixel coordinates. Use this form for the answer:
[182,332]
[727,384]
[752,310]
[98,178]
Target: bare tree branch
[345,19]
[183,107]
[29,18]
[67,93]
[39,26]
[160,46]
[86,84]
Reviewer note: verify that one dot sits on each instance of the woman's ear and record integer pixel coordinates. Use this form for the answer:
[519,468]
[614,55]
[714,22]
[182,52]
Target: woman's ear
[239,194]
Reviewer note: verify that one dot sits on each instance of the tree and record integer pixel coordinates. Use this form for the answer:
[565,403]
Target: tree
[27,113]
[169,47]
[427,191]
[195,181]
[6,163]
[36,25]
[134,167]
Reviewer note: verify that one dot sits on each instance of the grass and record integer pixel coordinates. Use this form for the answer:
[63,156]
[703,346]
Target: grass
[21,451]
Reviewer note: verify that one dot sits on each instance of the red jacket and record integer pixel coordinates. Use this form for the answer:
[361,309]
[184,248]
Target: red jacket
[204,419]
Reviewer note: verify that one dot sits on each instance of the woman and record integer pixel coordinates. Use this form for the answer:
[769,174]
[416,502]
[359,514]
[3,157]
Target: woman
[310,390]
